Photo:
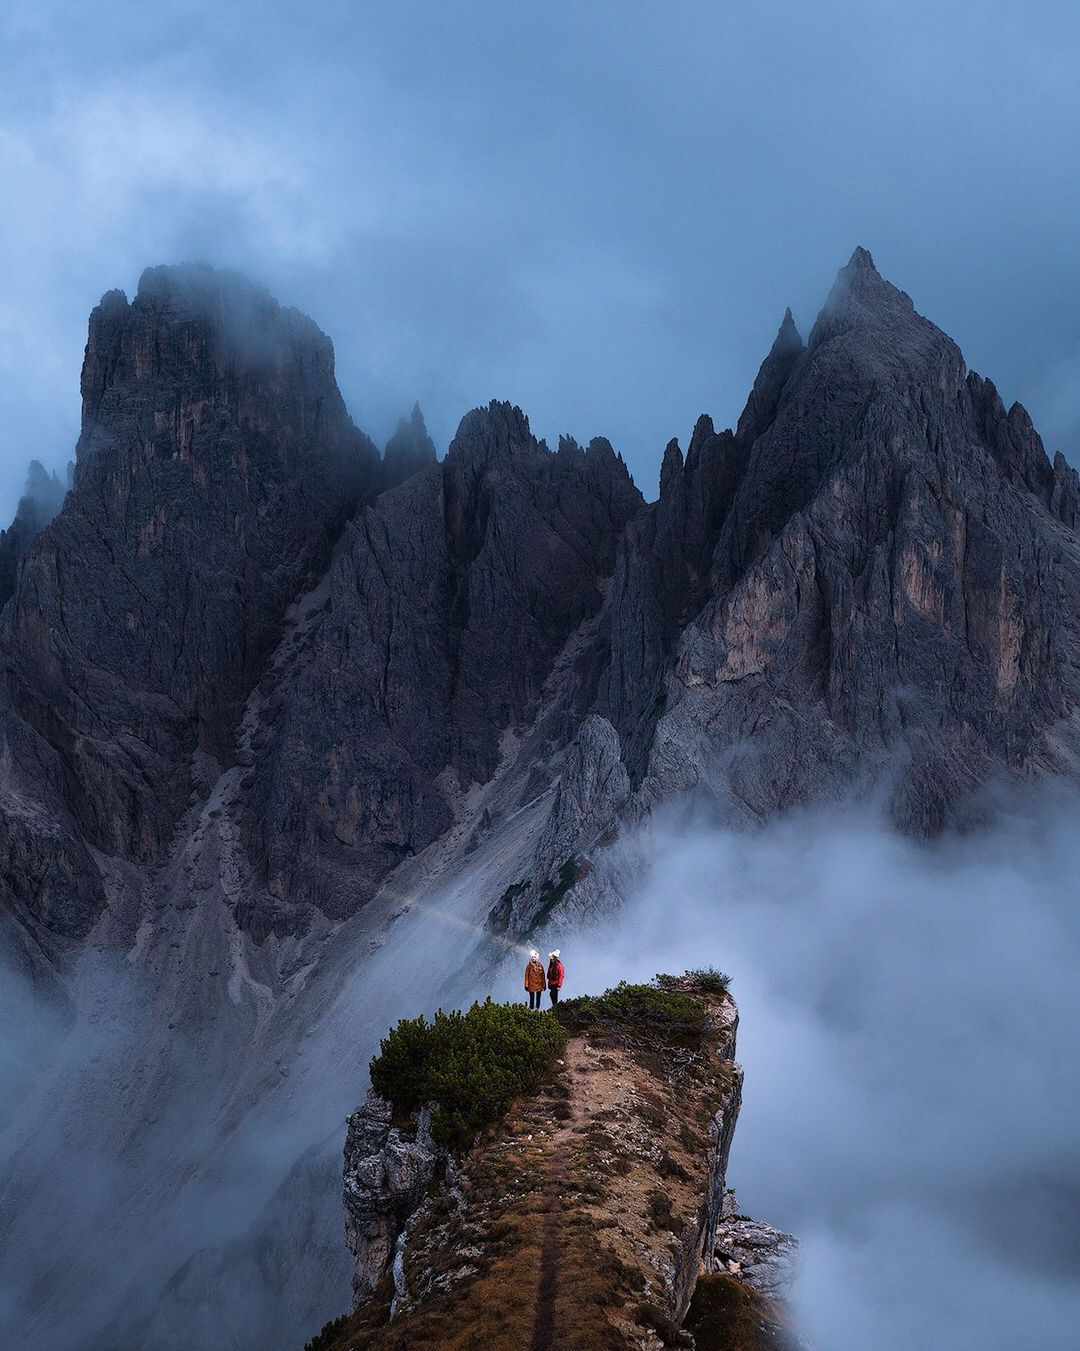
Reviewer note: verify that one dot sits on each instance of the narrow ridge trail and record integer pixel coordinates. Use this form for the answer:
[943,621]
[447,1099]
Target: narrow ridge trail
[560,1177]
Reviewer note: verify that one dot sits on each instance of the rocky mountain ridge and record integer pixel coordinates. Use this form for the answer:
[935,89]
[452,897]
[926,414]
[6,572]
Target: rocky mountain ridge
[874,577]
[603,1195]
[277,711]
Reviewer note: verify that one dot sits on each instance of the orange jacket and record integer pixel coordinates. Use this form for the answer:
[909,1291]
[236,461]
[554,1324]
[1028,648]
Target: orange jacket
[534,976]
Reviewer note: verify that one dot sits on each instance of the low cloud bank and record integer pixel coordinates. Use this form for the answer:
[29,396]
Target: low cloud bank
[909,1031]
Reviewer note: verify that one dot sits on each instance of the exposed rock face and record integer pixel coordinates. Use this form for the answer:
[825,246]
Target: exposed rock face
[763,1257]
[41,500]
[894,585]
[875,574]
[216,467]
[450,599]
[387,1175]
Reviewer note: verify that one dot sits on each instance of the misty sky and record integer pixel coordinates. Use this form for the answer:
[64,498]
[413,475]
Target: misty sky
[597,210]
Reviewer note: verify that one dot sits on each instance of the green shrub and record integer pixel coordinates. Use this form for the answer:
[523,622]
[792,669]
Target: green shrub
[706,978]
[470,1065]
[400,1071]
[328,1334]
[660,1009]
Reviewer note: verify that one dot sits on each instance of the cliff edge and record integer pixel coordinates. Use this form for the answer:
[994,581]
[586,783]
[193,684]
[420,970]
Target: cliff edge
[585,1216]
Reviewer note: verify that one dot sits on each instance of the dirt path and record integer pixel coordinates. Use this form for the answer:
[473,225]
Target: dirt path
[559,1179]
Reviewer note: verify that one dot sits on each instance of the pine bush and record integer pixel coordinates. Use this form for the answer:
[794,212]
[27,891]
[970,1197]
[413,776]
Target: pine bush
[470,1065]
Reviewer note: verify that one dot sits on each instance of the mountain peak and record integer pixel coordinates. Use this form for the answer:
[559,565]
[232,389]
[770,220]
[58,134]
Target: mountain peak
[859,285]
[498,432]
[38,479]
[408,451]
[882,320]
[861,261]
[771,377]
[198,283]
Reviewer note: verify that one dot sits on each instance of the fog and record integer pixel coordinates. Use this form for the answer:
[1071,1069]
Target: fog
[909,1026]
[597,211]
[909,1029]
[174,1181]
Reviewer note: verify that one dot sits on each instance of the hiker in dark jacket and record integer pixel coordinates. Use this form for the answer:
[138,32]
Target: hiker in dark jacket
[555,975]
[534,979]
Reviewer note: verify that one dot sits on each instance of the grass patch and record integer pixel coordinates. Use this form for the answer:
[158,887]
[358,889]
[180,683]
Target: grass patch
[727,1315]
[651,1006]
[470,1065]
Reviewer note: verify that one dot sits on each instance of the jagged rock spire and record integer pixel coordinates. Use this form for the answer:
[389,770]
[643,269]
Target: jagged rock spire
[771,377]
[408,451]
[498,431]
[42,498]
[671,467]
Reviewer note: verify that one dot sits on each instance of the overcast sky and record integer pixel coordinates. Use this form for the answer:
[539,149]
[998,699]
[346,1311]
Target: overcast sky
[598,210]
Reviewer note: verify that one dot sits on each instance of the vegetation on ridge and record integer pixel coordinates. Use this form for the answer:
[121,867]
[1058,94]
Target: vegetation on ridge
[726,1314]
[470,1065]
[662,1010]
[473,1065]
[706,980]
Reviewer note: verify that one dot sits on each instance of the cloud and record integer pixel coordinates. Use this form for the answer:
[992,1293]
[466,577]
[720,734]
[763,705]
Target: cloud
[909,1027]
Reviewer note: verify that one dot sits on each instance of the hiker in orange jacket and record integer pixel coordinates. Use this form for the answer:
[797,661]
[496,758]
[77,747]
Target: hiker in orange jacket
[555,976]
[534,979]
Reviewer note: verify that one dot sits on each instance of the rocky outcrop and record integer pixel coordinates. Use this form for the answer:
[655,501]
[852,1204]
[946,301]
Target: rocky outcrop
[386,1177]
[41,500]
[764,1257]
[602,1200]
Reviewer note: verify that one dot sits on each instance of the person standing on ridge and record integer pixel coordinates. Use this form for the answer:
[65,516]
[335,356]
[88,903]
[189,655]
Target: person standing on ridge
[534,979]
[555,976]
